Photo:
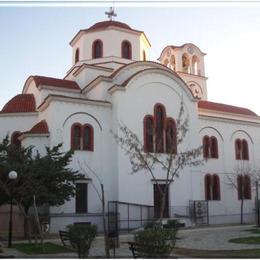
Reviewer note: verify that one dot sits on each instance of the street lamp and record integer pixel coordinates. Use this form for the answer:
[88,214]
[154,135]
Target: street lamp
[12,176]
[257,202]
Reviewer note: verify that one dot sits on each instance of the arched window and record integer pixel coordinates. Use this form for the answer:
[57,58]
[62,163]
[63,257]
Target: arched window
[97,49]
[245,154]
[239,186]
[214,147]
[210,147]
[148,134]
[15,138]
[244,187]
[215,188]
[159,112]
[241,149]
[160,133]
[207,181]
[88,137]
[238,149]
[206,147]
[76,136]
[126,50]
[172,62]
[144,55]
[171,136]
[212,187]
[247,188]
[166,62]
[185,63]
[195,64]
[77,55]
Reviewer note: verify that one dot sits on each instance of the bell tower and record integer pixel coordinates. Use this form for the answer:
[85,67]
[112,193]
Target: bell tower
[188,62]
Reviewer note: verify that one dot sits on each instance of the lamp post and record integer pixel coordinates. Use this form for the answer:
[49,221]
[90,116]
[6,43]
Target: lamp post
[12,176]
[257,202]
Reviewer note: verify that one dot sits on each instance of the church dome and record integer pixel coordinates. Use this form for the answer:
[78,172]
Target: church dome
[21,103]
[104,24]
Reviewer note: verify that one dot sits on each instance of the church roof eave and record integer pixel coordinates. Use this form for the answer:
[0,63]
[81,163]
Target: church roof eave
[51,82]
[167,72]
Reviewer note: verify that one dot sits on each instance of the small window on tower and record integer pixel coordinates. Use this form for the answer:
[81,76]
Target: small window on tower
[126,50]
[77,55]
[97,49]
[144,56]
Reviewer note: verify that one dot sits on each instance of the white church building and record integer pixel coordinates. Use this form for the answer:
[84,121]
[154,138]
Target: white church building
[112,80]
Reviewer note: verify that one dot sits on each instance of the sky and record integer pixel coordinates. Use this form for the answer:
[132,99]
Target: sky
[35,41]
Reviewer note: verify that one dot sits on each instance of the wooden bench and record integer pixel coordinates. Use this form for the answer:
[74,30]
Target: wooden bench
[138,252]
[64,236]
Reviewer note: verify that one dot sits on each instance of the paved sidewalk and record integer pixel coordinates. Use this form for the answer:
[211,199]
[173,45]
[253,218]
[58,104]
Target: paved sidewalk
[207,238]
[215,238]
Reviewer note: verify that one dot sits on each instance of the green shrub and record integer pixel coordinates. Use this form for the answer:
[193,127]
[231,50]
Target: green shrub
[153,225]
[156,242]
[81,237]
[172,223]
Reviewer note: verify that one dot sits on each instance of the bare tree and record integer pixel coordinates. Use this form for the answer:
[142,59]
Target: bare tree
[88,171]
[171,161]
[240,180]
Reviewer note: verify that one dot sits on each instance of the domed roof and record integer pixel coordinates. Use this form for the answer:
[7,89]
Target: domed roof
[39,128]
[21,103]
[105,24]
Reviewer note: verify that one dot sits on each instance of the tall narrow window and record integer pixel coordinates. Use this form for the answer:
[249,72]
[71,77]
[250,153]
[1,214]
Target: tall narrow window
[212,187]
[247,188]
[244,187]
[77,55]
[15,138]
[241,149]
[97,49]
[75,136]
[245,154]
[215,187]
[214,147]
[88,137]
[171,137]
[238,149]
[159,128]
[144,55]
[206,147]
[126,50]
[148,134]
[81,198]
[185,63]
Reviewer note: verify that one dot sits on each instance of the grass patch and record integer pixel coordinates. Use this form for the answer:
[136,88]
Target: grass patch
[50,248]
[243,253]
[245,240]
[254,230]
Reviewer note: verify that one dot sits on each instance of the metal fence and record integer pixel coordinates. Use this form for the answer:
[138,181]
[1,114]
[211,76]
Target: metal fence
[129,216]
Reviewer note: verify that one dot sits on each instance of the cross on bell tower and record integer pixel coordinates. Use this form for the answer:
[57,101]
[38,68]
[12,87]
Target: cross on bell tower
[111,13]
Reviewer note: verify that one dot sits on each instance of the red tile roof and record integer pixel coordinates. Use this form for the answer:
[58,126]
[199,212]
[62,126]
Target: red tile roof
[105,24]
[21,103]
[39,128]
[60,83]
[225,108]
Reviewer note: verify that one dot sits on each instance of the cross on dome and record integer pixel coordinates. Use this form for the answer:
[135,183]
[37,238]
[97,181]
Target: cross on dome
[111,13]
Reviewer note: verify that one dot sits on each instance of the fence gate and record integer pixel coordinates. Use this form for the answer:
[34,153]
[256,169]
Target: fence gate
[199,211]
[113,228]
